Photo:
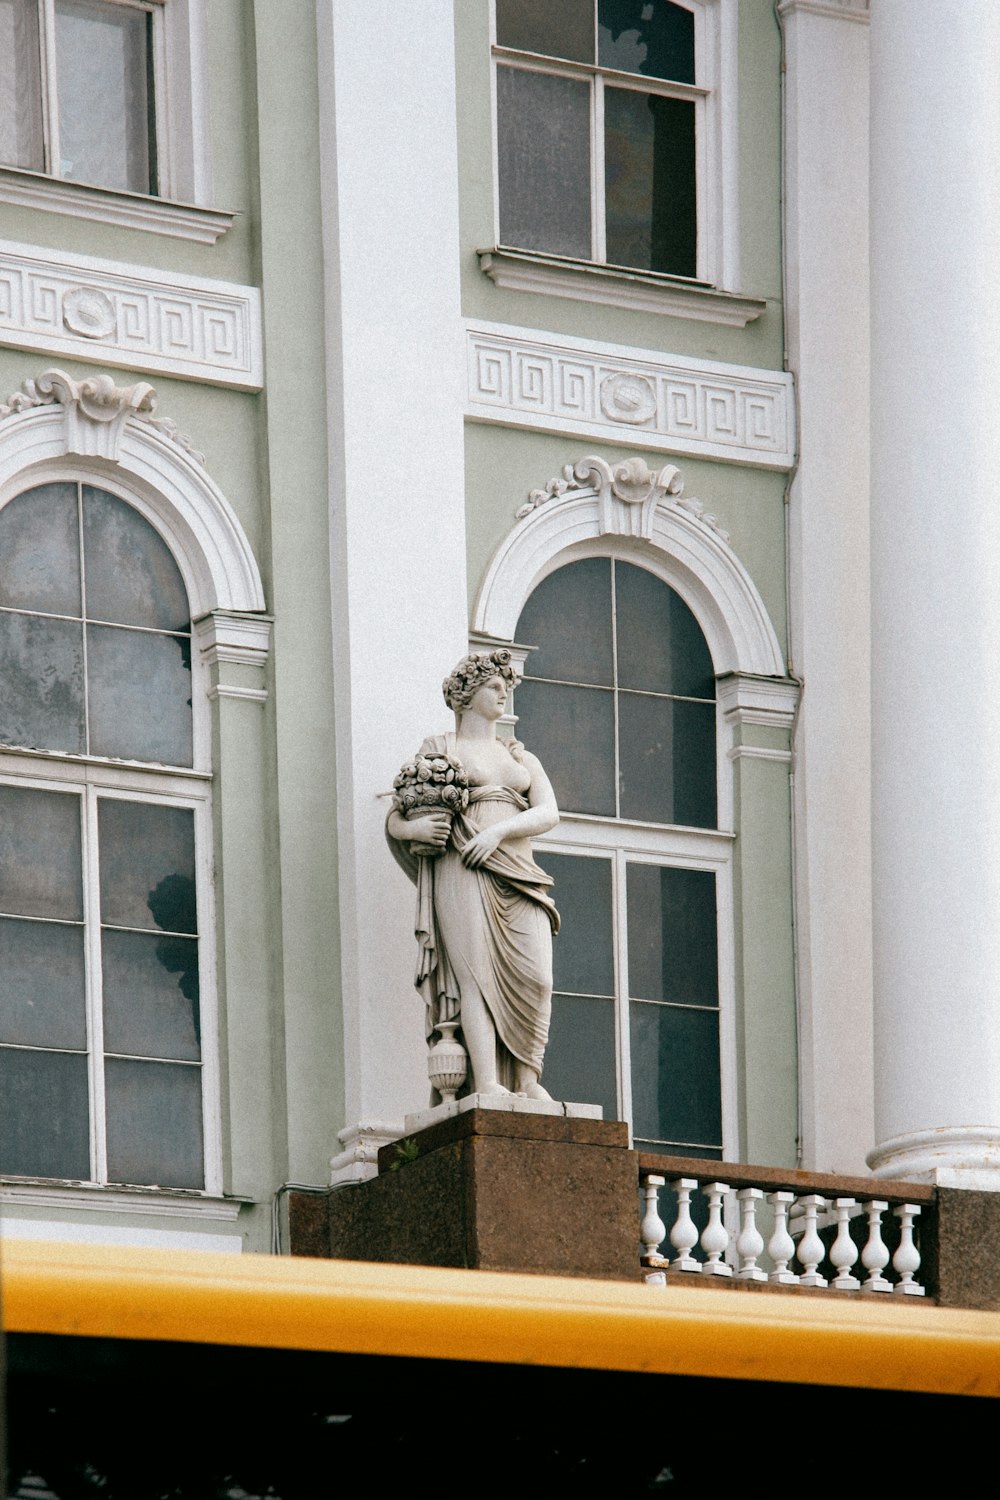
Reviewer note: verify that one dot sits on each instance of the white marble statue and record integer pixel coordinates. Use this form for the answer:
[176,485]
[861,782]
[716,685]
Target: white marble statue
[465,810]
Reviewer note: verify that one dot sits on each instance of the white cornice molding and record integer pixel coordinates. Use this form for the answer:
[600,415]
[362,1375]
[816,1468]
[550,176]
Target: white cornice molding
[228,637]
[619,394]
[185,221]
[159,1202]
[639,291]
[837,10]
[769,702]
[59,428]
[75,305]
[647,522]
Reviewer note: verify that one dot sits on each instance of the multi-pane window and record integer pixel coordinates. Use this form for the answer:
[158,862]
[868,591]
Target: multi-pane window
[77,90]
[101,819]
[618,702]
[599,112]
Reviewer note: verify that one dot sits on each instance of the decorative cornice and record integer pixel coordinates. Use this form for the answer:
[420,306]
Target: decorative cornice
[627,493]
[618,394]
[182,325]
[838,10]
[768,702]
[96,411]
[230,637]
[184,221]
[639,291]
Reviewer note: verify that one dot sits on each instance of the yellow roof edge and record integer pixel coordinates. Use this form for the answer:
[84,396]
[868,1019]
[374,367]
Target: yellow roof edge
[350,1307]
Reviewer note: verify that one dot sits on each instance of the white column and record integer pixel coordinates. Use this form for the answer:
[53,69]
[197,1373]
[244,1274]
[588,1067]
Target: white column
[395,437]
[935,192]
[826,303]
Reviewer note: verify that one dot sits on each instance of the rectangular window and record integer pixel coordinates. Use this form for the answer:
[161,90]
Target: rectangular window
[601,105]
[77,90]
[100,996]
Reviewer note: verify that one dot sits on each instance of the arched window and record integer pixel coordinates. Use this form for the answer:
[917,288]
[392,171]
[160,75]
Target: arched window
[104,816]
[618,701]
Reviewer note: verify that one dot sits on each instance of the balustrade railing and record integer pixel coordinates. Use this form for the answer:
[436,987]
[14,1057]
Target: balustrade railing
[731,1224]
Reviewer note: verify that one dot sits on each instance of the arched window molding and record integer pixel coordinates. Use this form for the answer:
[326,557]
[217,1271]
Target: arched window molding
[651,523]
[56,427]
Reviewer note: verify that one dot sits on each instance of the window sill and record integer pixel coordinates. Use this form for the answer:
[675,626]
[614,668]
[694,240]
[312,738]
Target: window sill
[639,291]
[185,221]
[28,1192]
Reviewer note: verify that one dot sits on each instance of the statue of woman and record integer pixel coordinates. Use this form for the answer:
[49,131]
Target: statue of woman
[485,918]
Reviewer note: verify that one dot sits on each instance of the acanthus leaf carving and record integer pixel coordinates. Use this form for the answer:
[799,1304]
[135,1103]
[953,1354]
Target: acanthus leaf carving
[100,401]
[627,492]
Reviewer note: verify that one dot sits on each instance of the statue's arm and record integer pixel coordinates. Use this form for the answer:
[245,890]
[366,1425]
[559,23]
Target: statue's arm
[541,815]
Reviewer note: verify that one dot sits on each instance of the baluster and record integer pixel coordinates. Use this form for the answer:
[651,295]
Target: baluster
[811,1250]
[684,1235]
[714,1238]
[781,1246]
[875,1255]
[907,1258]
[844,1252]
[750,1241]
[652,1229]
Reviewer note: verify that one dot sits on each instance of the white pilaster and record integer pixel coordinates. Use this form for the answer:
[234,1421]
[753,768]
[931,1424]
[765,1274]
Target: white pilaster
[390,224]
[826,247]
[935,587]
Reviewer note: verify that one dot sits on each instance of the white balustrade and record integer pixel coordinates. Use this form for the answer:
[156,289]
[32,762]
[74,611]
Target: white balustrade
[652,1230]
[715,1236]
[684,1234]
[844,1252]
[750,1241]
[781,1246]
[906,1260]
[800,1231]
[875,1255]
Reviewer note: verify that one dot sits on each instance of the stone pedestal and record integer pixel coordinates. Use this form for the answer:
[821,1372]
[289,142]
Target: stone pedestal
[490,1190]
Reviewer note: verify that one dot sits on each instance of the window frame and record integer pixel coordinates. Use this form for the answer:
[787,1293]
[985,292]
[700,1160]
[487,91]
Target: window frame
[625,841]
[89,777]
[713,95]
[179,111]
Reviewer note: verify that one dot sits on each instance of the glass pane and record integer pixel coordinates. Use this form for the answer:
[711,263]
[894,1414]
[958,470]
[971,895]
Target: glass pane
[583,951]
[667,750]
[571,730]
[102,62]
[42,984]
[568,618]
[580,1056]
[53,1141]
[543,160]
[676,1089]
[151,995]
[559,28]
[140,695]
[147,865]
[40,551]
[20,86]
[132,578]
[649,177]
[40,854]
[41,683]
[660,645]
[154,1123]
[672,945]
[646,36]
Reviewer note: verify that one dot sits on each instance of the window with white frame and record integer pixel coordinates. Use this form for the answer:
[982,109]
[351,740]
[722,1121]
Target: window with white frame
[607,131]
[82,91]
[618,702]
[105,980]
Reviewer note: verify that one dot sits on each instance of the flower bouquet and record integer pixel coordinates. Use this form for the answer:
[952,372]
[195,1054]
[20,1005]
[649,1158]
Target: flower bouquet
[428,784]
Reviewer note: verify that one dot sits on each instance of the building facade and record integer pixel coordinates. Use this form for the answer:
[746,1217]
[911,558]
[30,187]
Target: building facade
[333,350]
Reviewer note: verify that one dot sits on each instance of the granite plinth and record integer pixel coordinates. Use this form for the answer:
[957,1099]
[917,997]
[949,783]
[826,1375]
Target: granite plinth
[494,1190]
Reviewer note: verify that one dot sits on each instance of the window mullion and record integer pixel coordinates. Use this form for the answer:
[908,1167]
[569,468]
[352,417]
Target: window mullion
[95,990]
[598,232]
[50,100]
[622,1027]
